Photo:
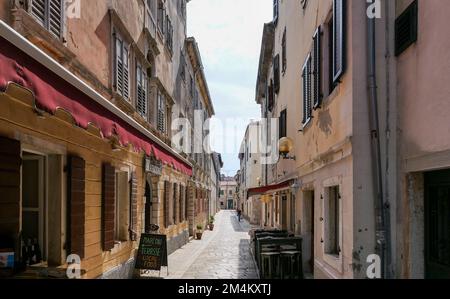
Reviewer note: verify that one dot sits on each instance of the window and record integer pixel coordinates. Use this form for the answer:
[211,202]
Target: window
[161,113]
[284,52]
[141,90]
[192,87]
[182,67]
[230,192]
[161,16]
[50,14]
[270,97]
[339,39]
[332,221]
[222,193]
[276,73]
[122,207]
[174,203]
[276,8]
[122,77]
[317,69]
[169,35]
[292,213]
[283,123]
[406,28]
[306,77]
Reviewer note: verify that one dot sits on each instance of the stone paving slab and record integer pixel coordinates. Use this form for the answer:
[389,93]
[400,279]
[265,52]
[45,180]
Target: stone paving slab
[221,254]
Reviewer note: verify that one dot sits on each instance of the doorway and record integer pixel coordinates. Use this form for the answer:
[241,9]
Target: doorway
[148,208]
[33,209]
[309,230]
[437,225]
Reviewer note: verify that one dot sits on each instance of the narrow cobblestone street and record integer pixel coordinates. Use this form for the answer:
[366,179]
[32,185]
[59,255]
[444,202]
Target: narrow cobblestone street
[221,254]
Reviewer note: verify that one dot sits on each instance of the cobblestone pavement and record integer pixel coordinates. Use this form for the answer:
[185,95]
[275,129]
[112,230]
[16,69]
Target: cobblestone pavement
[221,254]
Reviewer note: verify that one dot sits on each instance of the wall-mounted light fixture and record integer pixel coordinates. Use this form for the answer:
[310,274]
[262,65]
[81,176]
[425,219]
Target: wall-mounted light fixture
[286,146]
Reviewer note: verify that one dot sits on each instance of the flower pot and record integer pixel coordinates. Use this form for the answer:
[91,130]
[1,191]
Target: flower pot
[199,236]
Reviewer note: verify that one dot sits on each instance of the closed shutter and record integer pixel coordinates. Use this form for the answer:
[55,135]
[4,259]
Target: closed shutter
[406,28]
[339,39]
[175,203]
[271,97]
[141,91]
[50,14]
[10,163]
[133,207]
[275,11]
[38,11]
[161,113]
[122,67]
[166,204]
[76,187]
[181,204]
[126,72]
[284,51]
[317,69]
[56,11]
[306,76]
[276,73]
[108,206]
[283,123]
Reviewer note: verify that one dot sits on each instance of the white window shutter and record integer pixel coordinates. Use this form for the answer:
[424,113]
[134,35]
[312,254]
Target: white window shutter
[38,11]
[55,17]
[126,72]
[338,39]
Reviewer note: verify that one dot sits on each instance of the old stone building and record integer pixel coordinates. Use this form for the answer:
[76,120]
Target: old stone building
[88,96]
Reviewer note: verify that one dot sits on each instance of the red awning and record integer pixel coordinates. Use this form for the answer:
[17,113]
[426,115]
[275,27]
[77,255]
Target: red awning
[53,92]
[269,188]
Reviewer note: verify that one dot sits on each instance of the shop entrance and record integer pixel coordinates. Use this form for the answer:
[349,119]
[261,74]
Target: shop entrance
[33,209]
[437,225]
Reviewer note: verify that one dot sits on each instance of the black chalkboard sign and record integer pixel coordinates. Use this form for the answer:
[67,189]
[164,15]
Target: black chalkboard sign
[152,253]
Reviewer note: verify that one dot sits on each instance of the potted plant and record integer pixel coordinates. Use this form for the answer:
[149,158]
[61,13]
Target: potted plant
[199,232]
[211,223]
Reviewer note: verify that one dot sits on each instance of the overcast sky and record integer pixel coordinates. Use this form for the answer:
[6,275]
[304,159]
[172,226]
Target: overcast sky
[229,35]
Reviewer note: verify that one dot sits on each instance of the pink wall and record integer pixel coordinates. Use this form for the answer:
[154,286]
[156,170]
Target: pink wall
[424,86]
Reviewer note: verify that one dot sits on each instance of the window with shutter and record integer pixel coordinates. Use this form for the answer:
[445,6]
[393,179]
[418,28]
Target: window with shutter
[50,14]
[166,204]
[276,7]
[406,28]
[122,76]
[169,34]
[276,73]
[76,205]
[307,105]
[284,52]
[283,124]
[181,204]
[339,39]
[133,207]
[182,66]
[108,206]
[141,90]
[161,113]
[271,97]
[161,16]
[317,69]
[10,163]
[175,204]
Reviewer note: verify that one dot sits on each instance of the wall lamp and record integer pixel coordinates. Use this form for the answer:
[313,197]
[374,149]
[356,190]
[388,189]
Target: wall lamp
[286,146]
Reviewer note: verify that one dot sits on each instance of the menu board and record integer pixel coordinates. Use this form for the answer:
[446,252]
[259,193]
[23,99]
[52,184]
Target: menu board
[152,253]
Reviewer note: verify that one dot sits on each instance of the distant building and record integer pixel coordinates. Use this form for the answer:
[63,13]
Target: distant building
[227,193]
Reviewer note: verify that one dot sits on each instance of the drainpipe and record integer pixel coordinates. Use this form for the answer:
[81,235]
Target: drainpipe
[380,207]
